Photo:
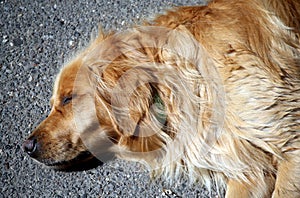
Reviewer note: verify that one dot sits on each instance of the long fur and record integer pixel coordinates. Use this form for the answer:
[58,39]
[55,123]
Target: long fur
[209,92]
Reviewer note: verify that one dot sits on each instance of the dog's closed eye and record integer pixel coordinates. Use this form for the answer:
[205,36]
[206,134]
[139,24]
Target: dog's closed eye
[66,100]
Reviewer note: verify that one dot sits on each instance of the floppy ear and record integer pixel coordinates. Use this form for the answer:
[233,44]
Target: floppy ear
[131,103]
[139,110]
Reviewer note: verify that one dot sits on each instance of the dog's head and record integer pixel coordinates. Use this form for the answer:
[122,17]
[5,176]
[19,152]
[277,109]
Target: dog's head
[56,141]
[124,96]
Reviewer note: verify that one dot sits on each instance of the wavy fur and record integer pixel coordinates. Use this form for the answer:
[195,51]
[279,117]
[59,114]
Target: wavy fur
[209,92]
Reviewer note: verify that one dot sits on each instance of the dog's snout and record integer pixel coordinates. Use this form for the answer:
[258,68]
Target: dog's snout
[29,146]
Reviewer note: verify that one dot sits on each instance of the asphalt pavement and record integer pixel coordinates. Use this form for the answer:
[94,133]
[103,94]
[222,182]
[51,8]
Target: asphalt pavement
[36,39]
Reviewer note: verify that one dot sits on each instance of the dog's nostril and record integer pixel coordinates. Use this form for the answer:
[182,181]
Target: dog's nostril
[29,146]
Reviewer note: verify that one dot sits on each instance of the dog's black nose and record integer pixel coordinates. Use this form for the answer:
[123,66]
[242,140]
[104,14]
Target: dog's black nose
[29,146]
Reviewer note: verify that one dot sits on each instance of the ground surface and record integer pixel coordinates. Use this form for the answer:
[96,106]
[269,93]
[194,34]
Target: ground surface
[36,38]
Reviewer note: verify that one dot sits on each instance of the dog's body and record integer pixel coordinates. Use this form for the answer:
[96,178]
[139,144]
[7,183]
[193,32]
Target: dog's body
[210,91]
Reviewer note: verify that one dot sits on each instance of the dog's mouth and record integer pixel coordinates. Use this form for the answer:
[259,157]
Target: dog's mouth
[84,161]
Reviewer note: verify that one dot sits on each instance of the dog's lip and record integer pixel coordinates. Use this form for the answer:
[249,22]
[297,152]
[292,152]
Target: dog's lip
[80,158]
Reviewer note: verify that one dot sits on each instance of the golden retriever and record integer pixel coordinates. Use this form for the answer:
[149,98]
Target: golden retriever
[209,92]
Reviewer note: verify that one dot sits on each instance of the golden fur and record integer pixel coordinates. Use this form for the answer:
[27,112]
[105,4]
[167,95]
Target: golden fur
[211,92]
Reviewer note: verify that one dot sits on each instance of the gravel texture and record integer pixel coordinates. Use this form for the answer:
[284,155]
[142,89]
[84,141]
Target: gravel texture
[36,38]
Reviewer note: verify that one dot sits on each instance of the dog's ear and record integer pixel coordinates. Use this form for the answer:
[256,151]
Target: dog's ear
[137,108]
[137,102]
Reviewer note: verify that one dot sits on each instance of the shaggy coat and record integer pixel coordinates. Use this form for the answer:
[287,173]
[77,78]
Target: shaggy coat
[208,92]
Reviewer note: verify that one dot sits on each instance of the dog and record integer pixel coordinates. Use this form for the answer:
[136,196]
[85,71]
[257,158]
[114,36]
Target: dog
[209,92]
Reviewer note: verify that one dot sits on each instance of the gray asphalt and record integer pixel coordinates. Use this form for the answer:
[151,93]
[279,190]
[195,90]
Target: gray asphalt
[36,38]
